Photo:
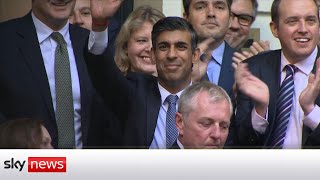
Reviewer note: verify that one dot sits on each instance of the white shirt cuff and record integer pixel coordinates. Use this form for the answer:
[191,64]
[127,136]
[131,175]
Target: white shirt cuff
[313,118]
[98,42]
[259,123]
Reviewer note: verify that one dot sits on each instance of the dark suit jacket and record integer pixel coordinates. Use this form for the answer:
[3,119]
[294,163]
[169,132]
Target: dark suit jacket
[266,66]
[226,81]
[25,91]
[226,77]
[134,99]
[175,145]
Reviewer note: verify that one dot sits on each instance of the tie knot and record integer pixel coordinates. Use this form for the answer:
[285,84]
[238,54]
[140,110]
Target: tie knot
[172,99]
[56,36]
[290,69]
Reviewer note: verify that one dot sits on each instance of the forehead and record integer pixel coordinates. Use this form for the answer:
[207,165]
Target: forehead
[242,6]
[173,37]
[208,1]
[290,8]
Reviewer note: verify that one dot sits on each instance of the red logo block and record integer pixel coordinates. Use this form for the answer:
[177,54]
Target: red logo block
[47,164]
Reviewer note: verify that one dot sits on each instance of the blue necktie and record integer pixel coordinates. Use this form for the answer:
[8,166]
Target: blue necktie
[64,98]
[284,105]
[171,129]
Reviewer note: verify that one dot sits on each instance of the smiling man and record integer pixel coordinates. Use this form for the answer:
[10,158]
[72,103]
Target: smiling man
[278,103]
[43,73]
[243,15]
[144,104]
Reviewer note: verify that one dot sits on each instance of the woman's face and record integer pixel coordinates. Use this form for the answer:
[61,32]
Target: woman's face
[138,50]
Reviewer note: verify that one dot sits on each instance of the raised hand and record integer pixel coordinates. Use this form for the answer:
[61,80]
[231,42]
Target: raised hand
[199,69]
[259,46]
[252,87]
[102,11]
[310,93]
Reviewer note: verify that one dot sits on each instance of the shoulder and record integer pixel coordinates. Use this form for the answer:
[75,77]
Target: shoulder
[264,57]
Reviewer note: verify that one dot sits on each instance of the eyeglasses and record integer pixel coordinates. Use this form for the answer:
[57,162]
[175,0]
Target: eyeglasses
[243,19]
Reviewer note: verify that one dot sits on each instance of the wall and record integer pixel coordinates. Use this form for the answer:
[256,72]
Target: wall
[13,8]
[175,8]
[262,21]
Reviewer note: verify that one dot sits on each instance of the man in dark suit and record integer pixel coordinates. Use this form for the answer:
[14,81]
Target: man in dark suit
[203,117]
[28,69]
[277,105]
[140,101]
[211,19]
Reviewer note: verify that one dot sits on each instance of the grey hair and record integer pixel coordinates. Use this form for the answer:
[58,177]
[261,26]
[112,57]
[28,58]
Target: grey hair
[216,93]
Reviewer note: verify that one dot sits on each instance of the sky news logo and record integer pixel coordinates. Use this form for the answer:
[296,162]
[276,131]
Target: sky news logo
[38,164]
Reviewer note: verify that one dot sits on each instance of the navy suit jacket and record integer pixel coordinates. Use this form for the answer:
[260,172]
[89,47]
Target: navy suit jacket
[134,99]
[266,66]
[226,77]
[25,91]
[226,81]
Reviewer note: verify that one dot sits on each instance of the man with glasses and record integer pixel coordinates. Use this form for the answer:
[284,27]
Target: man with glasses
[243,15]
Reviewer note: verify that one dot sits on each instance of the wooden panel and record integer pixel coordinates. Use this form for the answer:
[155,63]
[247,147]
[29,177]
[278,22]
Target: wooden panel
[153,3]
[10,9]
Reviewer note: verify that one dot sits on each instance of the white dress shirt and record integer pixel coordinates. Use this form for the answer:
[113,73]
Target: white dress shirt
[48,46]
[293,137]
[159,138]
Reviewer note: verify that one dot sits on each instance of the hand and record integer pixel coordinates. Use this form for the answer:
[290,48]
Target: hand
[311,92]
[252,87]
[238,57]
[199,69]
[259,46]
[102,11]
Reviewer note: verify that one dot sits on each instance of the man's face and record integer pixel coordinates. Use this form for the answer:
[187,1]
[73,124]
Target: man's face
[81,15]
[207,125]
[210,18]
[237,33]
[54,13]
[174,58]
[297,29]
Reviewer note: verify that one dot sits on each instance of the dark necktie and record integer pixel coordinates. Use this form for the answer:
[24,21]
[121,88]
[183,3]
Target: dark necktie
[284,104]
[64,98]
[171,129]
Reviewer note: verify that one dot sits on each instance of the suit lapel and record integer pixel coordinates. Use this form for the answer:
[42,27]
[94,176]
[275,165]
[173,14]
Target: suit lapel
[270,74]
[78,38]
[153,108]
[30,50]
[226,78]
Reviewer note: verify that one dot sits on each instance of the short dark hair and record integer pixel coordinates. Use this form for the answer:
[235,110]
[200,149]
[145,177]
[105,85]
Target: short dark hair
[186,5]
[24,133]
[172,24]
[255,7]
[275,10]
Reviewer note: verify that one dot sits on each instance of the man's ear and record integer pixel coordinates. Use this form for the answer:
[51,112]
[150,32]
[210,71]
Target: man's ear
[274,29]
[185,16]
[196,56]
[179,123]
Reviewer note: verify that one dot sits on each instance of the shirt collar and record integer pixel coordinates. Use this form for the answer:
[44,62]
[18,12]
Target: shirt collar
[43,31]
[217,53]
[305,66]
[179,144]
[164,93]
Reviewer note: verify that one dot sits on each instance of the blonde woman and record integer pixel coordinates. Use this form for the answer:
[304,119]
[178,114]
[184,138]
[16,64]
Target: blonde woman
[133,43]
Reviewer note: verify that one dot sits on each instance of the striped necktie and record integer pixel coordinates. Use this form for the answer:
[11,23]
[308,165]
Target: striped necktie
[284,104]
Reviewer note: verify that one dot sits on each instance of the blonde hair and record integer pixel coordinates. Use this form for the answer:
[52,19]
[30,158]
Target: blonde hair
[134,21]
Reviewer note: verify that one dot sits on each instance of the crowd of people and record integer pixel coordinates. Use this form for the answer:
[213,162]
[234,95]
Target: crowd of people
[72,77]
